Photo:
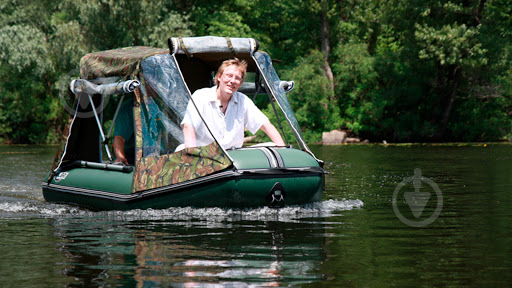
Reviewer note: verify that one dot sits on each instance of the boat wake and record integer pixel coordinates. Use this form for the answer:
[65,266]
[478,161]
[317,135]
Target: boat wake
[11,207]
[286,214]
[21,208]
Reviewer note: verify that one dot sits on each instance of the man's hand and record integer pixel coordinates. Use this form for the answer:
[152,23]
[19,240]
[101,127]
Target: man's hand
[122,160]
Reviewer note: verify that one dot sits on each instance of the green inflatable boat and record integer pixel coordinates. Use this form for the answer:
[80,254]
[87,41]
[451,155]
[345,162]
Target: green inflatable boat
[157,85]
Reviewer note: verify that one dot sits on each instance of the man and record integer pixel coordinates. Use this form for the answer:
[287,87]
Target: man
[226,111]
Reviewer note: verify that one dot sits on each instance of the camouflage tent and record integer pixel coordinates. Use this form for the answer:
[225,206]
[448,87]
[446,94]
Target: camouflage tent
[159,107]
[123,62]
[167,79]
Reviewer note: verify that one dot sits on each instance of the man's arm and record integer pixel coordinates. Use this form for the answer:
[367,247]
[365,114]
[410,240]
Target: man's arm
[272,132]
[190,135]
[119,149]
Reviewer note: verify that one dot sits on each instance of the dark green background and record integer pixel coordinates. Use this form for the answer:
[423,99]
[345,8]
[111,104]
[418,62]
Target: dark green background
[400,71]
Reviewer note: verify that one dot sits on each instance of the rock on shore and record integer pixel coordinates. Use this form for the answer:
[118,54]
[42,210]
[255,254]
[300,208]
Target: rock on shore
[337,137]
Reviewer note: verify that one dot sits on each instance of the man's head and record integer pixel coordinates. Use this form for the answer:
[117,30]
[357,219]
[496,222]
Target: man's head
[241,65]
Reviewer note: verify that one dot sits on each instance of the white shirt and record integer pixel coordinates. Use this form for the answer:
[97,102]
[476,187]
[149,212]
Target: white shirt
[228,129]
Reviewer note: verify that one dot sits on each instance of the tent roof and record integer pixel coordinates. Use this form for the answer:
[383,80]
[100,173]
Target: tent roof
[116,62]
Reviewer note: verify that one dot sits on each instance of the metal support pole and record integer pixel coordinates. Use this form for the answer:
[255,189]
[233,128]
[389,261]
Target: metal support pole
[99,127]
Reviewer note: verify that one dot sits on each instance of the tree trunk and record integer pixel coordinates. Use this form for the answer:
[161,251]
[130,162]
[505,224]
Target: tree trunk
[445,117]
[478,13]
[325,45]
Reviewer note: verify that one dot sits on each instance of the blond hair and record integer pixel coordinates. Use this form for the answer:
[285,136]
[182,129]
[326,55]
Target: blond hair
[240,64]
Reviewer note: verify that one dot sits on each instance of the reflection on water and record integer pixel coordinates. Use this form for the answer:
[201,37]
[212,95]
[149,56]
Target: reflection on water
[187,247]
[337,242]
[160,253]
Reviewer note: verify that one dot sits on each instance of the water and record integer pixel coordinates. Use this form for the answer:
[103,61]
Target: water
[352,238]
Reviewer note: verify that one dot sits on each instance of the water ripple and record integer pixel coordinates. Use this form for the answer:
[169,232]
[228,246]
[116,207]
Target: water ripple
[14,207]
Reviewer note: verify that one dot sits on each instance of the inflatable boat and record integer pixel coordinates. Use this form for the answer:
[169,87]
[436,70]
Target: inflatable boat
[157,84]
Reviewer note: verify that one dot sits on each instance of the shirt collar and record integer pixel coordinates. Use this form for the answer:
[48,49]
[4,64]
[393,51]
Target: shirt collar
[235,98]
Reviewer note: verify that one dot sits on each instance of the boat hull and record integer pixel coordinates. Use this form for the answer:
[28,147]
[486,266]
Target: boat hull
[253,184]
[238,190]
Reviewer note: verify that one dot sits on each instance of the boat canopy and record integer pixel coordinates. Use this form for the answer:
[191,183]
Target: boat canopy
[162,81]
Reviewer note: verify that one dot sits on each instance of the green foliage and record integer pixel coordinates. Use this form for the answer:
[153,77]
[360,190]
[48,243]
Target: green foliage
[419,70]
[486,118]
[357,82]
[311,99]
[428,75]
[291,26]
[27,115]
[451,45]
[220,23]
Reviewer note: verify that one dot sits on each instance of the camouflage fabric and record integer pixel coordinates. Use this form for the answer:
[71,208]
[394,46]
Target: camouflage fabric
[187,164]
[138,124]
[158,171]
[117,62]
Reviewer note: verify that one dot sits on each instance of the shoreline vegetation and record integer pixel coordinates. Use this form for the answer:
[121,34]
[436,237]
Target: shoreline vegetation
[376,144]
[394,71]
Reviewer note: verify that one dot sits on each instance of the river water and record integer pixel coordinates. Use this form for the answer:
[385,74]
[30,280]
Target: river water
[392,216]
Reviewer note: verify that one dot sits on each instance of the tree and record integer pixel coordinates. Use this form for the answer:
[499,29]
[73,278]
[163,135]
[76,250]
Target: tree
[396,70]
[430,58]
[311,98]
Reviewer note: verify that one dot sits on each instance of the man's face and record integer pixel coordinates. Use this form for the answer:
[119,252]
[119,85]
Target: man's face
[230,80]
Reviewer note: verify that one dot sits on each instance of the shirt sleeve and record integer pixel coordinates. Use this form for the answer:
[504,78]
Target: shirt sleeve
[253,117]
[191,114]
[124,121]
